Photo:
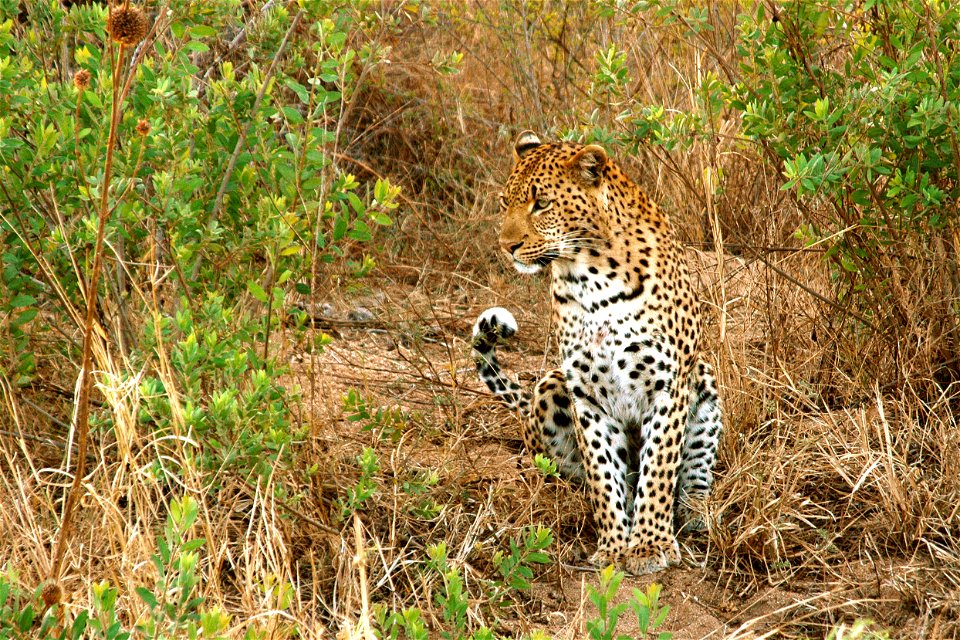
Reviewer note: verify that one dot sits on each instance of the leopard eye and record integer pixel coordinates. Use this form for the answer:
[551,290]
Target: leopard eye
[542,204]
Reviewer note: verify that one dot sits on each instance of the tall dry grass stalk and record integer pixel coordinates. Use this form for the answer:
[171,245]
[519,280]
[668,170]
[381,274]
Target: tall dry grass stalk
[126,26]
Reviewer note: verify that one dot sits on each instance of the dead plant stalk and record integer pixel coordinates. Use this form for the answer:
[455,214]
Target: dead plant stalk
[82,411]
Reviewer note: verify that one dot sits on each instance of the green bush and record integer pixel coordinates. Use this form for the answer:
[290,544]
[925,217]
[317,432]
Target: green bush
[206,158]
[224,201]
[858,105]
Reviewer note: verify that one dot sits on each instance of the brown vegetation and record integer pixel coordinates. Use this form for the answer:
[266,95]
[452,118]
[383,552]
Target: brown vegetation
[838,492]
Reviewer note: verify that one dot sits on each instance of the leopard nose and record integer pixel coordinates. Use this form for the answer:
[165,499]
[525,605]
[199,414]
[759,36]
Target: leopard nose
[510,245]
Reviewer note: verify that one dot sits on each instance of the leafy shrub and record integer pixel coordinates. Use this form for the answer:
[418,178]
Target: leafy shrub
[866,132]
[853,103]
[224,201]
[201,169]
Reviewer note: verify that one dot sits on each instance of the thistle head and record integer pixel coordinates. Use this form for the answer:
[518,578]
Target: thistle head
[81,79]
[127,24]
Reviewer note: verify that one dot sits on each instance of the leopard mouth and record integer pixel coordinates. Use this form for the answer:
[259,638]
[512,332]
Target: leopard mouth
[535,265]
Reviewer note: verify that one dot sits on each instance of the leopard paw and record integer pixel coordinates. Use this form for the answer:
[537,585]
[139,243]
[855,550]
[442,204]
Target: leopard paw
[603,558]
[649,558]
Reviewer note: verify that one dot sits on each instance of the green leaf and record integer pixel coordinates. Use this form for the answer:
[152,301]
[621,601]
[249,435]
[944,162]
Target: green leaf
[664,610]
[195,46]
[147,596]
[360,232]
[193,545]
[356,203]
[25,619]
[93,98]
[323,97]
[257,291]
[22,300]
[539,557]
[292,115]
[381,218]
[339,227]
[298,89]
[202,31]
[79,625]
[26,316]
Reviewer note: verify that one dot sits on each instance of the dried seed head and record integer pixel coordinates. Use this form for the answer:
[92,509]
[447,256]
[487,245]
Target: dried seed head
[51,594]
[127,25]
[81,79]
[143,127]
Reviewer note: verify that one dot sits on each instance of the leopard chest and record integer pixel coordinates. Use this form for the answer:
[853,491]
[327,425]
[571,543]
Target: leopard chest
[596,344]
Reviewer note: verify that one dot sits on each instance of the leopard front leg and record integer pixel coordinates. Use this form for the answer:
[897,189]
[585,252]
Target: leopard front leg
[603,446]
[653,545]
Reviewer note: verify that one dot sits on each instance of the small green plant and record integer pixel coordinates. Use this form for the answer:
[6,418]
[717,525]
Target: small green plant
[103,623]
[389,422]
[645,605]
[546,466]
[173,604]
[650,614]
[516,565]
[409,621]
[366,486]
[859,630]
[452,599]
[229,400]
[420,484]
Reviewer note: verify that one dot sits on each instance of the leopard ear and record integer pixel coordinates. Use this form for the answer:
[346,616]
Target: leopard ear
[525,142]
[588,164]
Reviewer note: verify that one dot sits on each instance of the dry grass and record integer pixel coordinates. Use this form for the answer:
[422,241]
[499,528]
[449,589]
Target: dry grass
[835,499]
[819,515]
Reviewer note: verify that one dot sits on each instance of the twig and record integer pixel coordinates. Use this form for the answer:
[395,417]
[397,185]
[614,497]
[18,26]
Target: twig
[46,414]
[237,40]
[755,247]
[296,512]
[818,296]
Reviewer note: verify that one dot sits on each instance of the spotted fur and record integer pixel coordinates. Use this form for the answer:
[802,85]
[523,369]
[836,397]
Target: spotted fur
[633,410]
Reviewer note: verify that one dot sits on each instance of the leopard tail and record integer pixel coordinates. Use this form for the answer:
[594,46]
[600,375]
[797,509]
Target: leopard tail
[493,326]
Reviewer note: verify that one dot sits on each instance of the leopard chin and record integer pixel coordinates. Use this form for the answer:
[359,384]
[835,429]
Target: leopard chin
[526,268]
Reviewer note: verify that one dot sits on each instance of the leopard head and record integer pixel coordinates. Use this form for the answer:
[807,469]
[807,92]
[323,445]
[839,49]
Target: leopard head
[551,202]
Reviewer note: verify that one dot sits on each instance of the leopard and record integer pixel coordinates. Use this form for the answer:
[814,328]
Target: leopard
[633,413]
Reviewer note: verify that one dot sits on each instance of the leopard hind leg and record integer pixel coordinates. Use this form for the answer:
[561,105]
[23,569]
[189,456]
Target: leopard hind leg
[699,453]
